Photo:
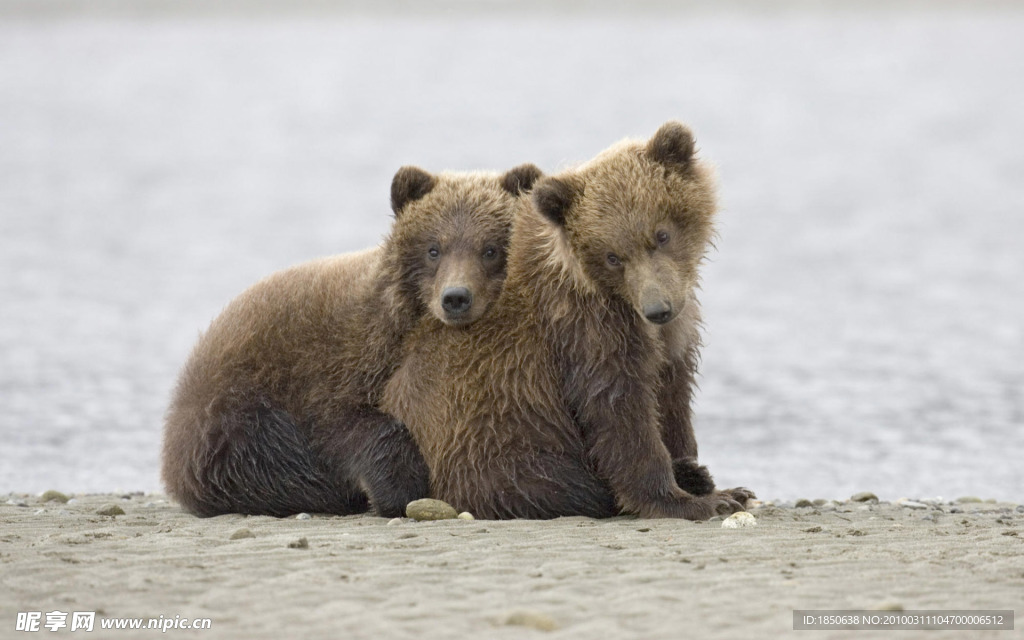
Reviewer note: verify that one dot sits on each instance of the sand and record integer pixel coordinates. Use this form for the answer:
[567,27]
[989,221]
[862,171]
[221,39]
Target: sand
[368,577]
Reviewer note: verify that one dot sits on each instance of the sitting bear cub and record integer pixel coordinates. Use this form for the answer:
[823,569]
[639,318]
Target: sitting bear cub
[275,411]
[572,396]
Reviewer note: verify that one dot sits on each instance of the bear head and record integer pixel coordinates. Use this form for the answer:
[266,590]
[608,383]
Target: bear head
[447,246]
[636,220]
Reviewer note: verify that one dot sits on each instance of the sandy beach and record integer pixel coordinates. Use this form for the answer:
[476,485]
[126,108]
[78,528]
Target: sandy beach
[863,307]
[369,577]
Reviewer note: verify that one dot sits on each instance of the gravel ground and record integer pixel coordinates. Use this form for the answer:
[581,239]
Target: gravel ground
[366,577]
[864,309]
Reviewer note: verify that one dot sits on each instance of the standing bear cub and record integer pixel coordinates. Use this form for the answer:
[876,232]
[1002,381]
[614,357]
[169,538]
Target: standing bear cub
[572,397]
[275,411]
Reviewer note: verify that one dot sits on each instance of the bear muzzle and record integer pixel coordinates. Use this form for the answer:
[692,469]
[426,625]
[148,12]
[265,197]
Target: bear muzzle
[658,312]
[456,302]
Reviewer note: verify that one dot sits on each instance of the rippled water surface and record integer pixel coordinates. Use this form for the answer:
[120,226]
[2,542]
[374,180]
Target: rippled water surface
[864,307]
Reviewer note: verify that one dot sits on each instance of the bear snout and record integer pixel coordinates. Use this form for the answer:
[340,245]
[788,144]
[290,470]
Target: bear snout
[658,312]
[456,301]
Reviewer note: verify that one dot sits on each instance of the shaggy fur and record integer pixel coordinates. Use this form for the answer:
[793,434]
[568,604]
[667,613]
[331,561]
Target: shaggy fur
[572,397]
[274,412]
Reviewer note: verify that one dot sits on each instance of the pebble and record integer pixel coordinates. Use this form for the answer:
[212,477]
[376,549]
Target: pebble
[242,533]
[911,504]
[956,510]
[430,509]
[803,502]
[303,516]
[301,543]
[395,521]
[1020,509]
[110,510]
[820,502]
[40,512]
[465,515]
[56,496]
[73,501]
[739,520]
[531,619]
[864,496]
[17,503]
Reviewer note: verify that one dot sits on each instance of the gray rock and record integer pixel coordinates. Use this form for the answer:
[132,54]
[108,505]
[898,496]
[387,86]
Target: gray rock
[430,509]
[301,543]
[110,510]
[17,503]
[242,533]
[820,502]
[55,496]
[803,502]
[1020,508]
[864,496]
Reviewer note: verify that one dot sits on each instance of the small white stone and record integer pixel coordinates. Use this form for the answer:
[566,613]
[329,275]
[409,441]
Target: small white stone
[40,512]
[911,504]
[303,516]
[739,520]
[465,515]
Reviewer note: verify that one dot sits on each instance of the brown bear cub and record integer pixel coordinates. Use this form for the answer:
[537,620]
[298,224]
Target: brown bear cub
[275,411]
[572,397]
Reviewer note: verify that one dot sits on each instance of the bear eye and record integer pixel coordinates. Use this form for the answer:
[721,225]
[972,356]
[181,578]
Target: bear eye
[490,253]
[662,237]
[613,260]
[434,253]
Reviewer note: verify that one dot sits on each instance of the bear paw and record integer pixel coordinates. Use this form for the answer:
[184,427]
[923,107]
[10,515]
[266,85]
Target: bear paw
[692,477]
[693,507]
[740,494]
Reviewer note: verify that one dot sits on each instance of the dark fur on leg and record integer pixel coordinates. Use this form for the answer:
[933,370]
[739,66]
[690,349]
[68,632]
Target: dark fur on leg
[384,461]
[263,465]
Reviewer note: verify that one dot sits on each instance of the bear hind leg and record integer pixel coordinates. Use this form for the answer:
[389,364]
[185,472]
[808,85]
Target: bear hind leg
[264,465]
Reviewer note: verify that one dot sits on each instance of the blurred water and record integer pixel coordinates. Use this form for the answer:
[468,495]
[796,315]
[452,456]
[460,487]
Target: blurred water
[864,308]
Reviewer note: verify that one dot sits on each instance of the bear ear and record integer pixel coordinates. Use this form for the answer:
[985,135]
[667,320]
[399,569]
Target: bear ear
[519,180]
[672,145]
[409,184]
[554,197]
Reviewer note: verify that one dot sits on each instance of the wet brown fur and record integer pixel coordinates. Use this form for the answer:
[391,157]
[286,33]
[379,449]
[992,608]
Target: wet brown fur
[274,412]
[566,399]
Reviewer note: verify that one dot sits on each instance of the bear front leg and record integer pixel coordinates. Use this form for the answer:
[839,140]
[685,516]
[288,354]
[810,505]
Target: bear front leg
[377,453]
[674,401]
[674,398]
[625,444]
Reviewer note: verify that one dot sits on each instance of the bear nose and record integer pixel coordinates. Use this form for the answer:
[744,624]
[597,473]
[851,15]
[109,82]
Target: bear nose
[456,300]
[658,312]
